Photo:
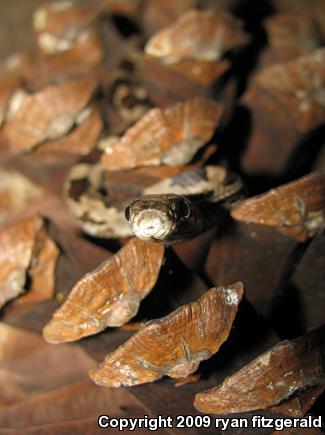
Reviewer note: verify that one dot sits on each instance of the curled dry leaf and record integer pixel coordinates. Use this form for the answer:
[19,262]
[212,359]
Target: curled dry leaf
[275,375]
[80,141]
[158,14]
[299,87]
[60,25]
[165,136]
[186,79]
[296,208]
[8,84]
[108,296]
[26,252]
[200,35]
[68,410]
[46,115]
[17,243]
[82,59]
[173,345]
[41,272]
[16,343]
[16,192]
[300,403]
[313,7]
[290,35]
[202,72]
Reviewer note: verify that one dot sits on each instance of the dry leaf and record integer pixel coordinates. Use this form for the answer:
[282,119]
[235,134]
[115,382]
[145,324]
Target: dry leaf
[80,141]
[47,114]
[296,208]
[200,35]
[60,25]
[165,136]
[17,242]
[26,252]
[82,59]
[299,87]
[71,403]
[8,84]
[299,404]
[108,296]
[16,192]
[173,345]
[277,374]
[290,35]
[202,72]
[41,272]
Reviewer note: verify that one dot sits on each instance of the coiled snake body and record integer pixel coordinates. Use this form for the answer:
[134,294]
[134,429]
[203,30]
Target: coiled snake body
[172,217]
[174,209]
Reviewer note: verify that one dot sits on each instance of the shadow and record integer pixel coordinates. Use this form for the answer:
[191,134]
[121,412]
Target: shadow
[287,299]
[250,336]
[305,154]
[319,409]
[252,13]
[176,286]
[232,140]
[125,26]
[287,313]
[112,245]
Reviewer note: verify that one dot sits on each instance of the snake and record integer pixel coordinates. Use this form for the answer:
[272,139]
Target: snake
[176,217]
[171,210]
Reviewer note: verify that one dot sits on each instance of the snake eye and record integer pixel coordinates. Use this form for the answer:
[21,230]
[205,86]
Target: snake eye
[184,209]
[127,213]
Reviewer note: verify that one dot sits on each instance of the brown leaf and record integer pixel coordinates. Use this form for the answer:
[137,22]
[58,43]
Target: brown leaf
[16,343]
[27,252]
[62,24]
[202,72]
[158,14]
[296,208]
[42,269]
[80,141]
[8,84]
[17,241]
[173,345]
[82,59]
[299,404]
[275,375]
[16,193]
[108,296]
[290,34]
[314,7]
[165,136]
[47,114]
[81,400]
[200,35]
[28,364]
[298,86]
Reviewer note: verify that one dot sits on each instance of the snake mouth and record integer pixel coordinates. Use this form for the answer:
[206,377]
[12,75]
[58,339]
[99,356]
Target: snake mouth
[151,225]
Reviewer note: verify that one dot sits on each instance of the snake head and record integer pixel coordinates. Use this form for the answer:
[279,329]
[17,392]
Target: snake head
[157,217]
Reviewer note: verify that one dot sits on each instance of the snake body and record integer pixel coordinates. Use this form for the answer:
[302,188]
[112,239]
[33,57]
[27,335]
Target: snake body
[171,210]
[171,218]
